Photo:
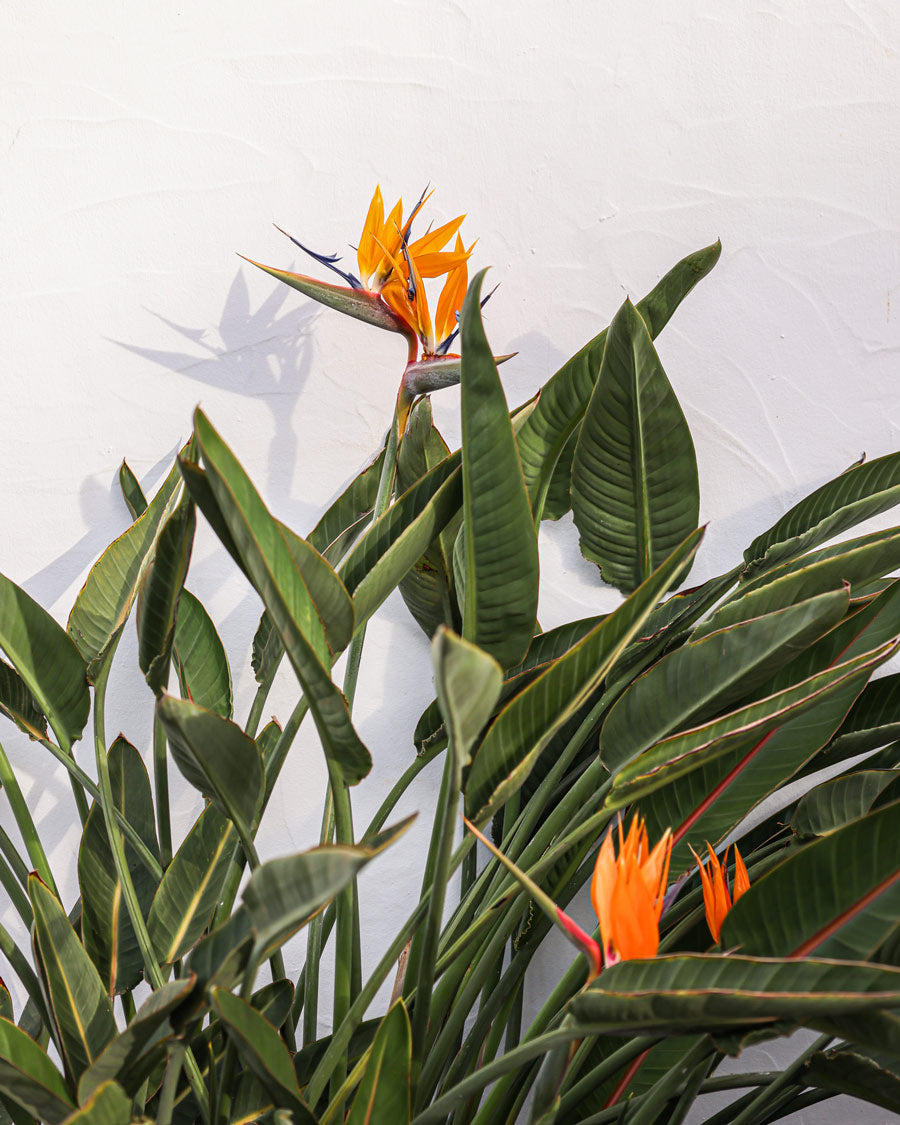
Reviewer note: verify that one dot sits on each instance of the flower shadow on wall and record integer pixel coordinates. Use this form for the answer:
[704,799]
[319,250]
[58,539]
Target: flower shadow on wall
[264,355]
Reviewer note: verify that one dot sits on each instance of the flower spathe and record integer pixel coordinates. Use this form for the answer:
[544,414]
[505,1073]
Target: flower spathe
[628,891]
[717,899]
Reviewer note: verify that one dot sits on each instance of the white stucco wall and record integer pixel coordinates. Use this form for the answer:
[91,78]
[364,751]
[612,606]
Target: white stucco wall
[591,144]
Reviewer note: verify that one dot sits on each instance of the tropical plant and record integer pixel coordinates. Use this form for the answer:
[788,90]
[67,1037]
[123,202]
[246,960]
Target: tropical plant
[601,752]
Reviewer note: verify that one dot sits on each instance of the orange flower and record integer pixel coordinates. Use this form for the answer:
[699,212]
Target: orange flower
[628,892]
[717,900]
[390,291]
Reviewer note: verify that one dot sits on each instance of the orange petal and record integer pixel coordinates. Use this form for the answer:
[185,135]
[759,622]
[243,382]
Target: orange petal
[741,878]
[389,239]
[393,293]
[437,239]
[368,254]
[451,299]
[635,932]
[655,870]
[709,897]
[602,885]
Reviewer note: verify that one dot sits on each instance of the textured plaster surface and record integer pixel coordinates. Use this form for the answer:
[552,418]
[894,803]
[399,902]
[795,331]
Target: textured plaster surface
[591,144]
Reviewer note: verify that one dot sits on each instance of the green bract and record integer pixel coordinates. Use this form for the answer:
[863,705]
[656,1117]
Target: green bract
[695,706]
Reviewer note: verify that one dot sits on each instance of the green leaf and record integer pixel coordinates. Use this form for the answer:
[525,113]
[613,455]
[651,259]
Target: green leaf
[104,601]
[160,594]
[545,648]
[835,803]
[501,555]
[863,491]
[738,738]
[468,683]
[106,928]
[269,561]
[28,1077]
[79,1001]
[635,493]
[199,658]
[46,659]
[328,592]
[220,958]
[283,894]
[672,995]
[528,722]
[189,892]
[262,1049]
[428,588]
[703,677]
[846,1070]
[107,1105]
[395,542]
[131,1055]
[855,562]
[383,1093]
[873,720]
[346,517]
[358,303]
[559,490]
[216,757]
[848,884]
[132,493]
[715,798]
[557,414]
[18,703]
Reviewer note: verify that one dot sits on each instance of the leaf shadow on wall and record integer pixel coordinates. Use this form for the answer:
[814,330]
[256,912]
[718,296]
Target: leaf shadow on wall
[264,355]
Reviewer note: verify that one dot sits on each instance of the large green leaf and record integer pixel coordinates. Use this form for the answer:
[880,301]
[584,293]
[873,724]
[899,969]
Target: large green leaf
[19,704]
[558,411]
[189,891]
[737,741]
[283,894]
[199,658]
[80,1004]
[262,1049]
[130,1056]
[397,540]
[107,1105]
[635,492]
[837,897]
[105,600]
[46,659]
[160,594]
[703,677]
[672,995]
[28,1077]
[274,572]
[106,928]
[847,1070]
[383,1093]
[216,757]
[863,491]
[501,555]
[527,723]
[835,803]
[873,721]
